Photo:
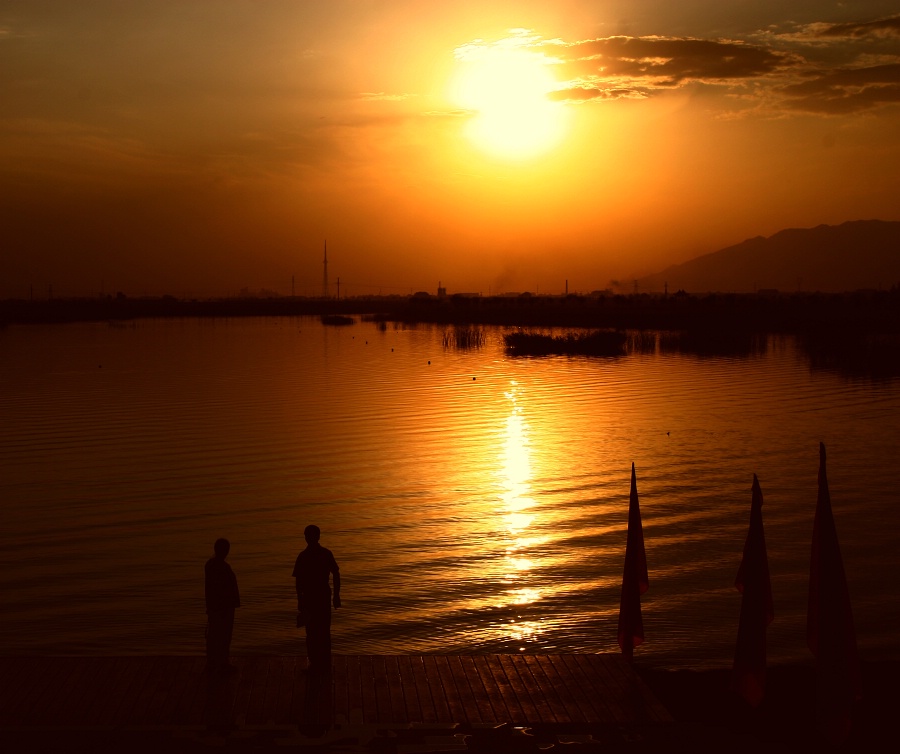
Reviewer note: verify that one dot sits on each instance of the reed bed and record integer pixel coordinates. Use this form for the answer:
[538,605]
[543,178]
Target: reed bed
[593,343]
[463,338]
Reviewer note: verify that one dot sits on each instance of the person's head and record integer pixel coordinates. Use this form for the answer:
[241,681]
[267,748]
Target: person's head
[222,546]
[312,533]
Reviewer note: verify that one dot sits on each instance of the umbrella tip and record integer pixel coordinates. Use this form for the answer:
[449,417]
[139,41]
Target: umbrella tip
[822,452]
[756,490]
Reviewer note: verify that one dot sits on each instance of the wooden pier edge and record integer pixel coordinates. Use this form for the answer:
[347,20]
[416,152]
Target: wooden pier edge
[153,693]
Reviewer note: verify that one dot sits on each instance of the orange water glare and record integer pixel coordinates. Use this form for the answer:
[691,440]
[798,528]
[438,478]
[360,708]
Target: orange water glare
[520,516]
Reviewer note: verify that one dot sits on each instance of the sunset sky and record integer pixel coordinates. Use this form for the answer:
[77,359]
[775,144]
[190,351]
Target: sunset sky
[199,148]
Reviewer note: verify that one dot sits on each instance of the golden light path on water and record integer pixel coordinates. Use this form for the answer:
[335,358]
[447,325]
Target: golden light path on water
[535,551]
[519,516]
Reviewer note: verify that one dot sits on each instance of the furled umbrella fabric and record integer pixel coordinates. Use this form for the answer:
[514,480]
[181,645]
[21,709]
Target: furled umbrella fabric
[829,623]
[757,611]
[634,579]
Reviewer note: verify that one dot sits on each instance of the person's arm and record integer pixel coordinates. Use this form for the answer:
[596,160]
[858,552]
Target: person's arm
[207,586]
[296,575]
[336,575]
[300,601]
[237,594]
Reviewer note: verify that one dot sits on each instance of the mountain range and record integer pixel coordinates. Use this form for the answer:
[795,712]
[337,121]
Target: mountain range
[861,254]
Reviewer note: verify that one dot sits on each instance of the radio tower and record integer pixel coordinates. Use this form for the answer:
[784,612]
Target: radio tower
[325,273]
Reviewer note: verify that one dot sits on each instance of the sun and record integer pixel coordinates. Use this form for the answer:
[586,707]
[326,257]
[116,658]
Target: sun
[506,91]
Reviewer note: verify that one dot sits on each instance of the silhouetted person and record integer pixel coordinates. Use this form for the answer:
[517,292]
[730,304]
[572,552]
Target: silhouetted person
[314,600]
[221,599]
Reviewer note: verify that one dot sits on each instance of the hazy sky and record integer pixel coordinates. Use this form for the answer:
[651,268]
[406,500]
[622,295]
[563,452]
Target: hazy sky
[198,148]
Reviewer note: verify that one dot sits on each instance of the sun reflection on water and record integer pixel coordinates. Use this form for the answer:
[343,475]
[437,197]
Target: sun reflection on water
[517,511]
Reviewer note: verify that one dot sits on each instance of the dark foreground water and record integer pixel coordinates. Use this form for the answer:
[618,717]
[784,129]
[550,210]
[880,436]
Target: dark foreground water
[475,502]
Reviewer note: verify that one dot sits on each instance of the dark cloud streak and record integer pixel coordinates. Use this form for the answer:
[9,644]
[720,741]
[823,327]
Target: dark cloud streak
[677,60]
[886,27]
[586,93]
[847,90]
[787,71]
[621,67]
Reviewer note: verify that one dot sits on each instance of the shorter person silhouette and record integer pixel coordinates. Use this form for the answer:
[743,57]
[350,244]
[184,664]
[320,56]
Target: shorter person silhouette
[314,600]
[222,598]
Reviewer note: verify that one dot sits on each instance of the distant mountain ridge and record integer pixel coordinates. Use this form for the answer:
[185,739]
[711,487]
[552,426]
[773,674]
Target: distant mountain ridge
[855,255]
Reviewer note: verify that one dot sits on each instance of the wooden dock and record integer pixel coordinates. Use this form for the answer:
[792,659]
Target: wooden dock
[153,694]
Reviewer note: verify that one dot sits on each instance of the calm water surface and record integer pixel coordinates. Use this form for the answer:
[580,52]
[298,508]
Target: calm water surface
[475,502]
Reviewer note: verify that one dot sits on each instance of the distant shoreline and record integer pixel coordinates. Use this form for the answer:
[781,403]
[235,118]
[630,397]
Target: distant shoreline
[769,312]
[857,334]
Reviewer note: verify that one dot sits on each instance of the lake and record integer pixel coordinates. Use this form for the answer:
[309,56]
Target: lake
[475,502]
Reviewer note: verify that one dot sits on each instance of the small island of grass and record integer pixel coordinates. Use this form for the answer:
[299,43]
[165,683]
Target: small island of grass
[338,320]
[593,343]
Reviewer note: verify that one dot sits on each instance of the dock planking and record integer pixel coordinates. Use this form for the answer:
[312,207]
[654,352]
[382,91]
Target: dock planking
[154,692]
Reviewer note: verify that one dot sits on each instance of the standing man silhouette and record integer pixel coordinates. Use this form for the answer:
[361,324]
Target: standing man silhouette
[314,599]
[222,598]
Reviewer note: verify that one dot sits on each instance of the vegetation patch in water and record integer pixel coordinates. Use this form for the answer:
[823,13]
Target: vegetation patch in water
[463,338]
[595,343]
[337,319]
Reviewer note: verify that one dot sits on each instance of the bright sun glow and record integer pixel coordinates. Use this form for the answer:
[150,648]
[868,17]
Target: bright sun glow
[506,91]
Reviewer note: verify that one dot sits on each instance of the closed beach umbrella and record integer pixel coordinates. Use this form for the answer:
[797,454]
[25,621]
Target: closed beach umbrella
[634,579]
[749,672]
[829,622]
